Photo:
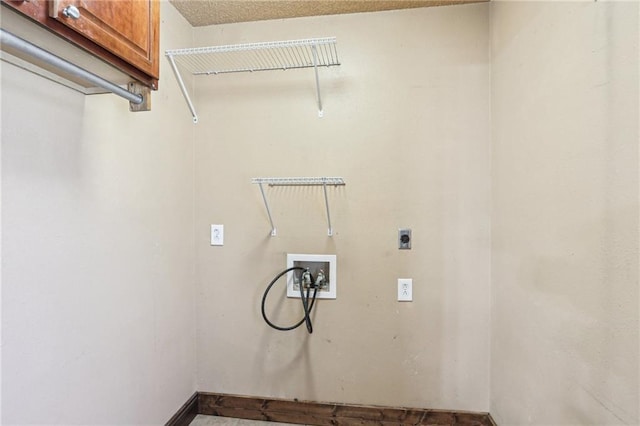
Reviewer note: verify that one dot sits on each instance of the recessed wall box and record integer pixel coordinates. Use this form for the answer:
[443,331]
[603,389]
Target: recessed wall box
[323,272]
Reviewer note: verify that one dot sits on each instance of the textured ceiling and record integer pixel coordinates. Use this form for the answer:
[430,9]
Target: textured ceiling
[211,12]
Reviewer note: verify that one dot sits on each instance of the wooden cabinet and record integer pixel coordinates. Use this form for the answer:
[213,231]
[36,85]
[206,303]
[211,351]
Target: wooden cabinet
[128,29]
[124,33]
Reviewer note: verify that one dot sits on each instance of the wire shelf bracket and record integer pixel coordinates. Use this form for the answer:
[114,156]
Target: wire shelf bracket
[250,57]
[299,181]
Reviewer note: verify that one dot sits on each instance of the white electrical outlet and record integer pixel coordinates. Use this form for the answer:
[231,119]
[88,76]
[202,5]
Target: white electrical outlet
[217,235]
[405,290]
[323,265]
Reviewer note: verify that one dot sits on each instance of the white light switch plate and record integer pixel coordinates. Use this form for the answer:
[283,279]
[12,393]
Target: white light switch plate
[405,290]
[217,235]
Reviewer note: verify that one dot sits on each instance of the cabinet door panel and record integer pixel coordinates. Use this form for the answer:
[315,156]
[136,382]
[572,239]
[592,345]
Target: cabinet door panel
[127,28]
[33,8]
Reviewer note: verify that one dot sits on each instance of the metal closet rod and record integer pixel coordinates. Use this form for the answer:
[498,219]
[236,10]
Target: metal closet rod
[15,42]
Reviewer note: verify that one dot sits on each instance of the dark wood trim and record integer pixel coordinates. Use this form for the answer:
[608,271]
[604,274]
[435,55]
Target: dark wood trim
[186,413]
[491,421]
[315,413]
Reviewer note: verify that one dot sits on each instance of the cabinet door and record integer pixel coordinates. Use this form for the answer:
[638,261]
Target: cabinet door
[34,9]
[127,28]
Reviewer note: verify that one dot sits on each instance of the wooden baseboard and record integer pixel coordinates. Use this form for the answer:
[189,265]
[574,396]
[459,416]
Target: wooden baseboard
[315,413]
[491,421]
[185,415]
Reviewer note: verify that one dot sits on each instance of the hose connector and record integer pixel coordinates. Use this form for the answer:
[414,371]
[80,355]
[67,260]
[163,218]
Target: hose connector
[306,280]
[321,280]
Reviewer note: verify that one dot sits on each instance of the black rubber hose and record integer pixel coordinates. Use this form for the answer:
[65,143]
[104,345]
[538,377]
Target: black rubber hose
[305,303]
[305,306]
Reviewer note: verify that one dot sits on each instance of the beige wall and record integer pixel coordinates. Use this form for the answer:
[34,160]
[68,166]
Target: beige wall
[565,213]
[533,221]
[98,325]
[407,125]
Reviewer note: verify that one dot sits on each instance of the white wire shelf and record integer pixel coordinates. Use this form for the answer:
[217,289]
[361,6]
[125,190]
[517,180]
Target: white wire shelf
[292,181]
[250,57]
[298,181]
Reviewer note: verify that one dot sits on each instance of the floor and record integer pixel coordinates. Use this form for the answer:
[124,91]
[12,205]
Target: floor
[202,420]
